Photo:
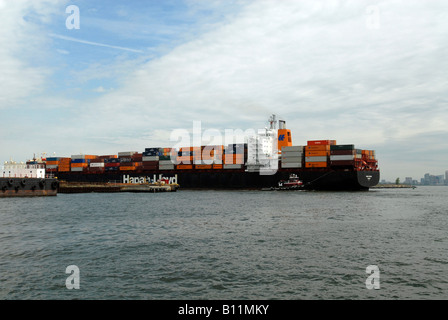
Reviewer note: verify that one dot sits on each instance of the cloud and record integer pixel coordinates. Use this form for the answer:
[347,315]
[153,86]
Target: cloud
[21,43]
[317,65]
[61,51]
[58,36]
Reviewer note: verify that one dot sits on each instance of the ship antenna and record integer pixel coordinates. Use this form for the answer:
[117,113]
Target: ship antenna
[273,121]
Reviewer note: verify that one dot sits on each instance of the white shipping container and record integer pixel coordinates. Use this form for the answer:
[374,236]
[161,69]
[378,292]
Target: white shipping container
[78,156]
[166,167]
[51,166]
[232,166]
[166,162]
[76,169]
[151,158]
[125,154]
[315,159]
[292,149]
[347,157]
[97,165]
[292,159]
[292,165]
[289,154]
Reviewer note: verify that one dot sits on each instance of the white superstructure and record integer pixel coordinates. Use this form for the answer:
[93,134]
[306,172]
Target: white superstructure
[12,169]
[262,150]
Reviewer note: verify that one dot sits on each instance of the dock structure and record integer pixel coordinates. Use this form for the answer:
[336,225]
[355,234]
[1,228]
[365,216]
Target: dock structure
[393,186]
[79,187]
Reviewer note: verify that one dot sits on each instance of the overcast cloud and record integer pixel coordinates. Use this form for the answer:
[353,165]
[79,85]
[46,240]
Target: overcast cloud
[332,70]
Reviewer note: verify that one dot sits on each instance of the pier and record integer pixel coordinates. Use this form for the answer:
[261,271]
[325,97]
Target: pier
[79,187]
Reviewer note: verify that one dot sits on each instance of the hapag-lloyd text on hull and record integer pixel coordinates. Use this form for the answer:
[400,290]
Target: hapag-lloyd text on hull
[149,179]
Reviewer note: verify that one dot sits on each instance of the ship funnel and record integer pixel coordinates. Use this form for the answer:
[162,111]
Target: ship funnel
[281,124]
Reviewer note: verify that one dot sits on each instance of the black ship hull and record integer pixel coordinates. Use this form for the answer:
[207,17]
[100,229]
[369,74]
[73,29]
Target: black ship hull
[236,179]
[28,187]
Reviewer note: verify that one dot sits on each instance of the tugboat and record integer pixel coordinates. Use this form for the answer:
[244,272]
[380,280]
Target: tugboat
[26,180]
[291,184]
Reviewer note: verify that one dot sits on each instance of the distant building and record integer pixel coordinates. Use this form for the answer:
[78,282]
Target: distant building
[427,180]
[408,180]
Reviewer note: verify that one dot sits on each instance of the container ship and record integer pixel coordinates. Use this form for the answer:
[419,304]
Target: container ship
[265,159]
[26,180]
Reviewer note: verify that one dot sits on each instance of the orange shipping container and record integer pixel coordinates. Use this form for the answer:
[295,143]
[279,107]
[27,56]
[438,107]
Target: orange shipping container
[217,166]
[322,147]
[79,165]
[184,166]
[188,160]
[315,164]
[129,168]
[52,163]
[316,153]
[203,166]
[88,156]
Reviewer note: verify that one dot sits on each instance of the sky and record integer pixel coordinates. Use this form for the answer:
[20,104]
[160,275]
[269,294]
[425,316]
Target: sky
[371,73]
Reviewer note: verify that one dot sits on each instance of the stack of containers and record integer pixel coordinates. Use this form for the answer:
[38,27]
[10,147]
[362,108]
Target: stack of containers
[137,159]
[292,157]
[185,158]
[218,152]
[167,158]
[343,155]
[369,157]
[197,158]
[52,164]
[203,157]
[80,162]
[234,156]
[126,162]
[112,164]
[317,152]
[150,159]
[97,165]
[64,164]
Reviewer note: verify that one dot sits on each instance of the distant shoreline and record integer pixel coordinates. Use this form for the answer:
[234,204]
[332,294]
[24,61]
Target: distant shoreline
[393,185]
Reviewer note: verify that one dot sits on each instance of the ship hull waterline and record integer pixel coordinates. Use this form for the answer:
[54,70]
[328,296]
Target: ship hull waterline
[28,187]
[236,179]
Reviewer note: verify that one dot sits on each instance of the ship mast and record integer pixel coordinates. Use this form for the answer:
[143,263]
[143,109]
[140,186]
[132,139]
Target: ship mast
[273,122]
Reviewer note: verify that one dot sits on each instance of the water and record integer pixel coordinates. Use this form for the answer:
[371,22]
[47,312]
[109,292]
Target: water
[226,245]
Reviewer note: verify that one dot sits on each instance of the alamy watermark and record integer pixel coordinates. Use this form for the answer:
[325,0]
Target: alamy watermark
[259,147]
[73,281]
[73,21]
[373,281]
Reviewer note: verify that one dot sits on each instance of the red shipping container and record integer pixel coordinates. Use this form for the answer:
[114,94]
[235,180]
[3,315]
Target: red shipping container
[321,142]
[112,164]
[98,160]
